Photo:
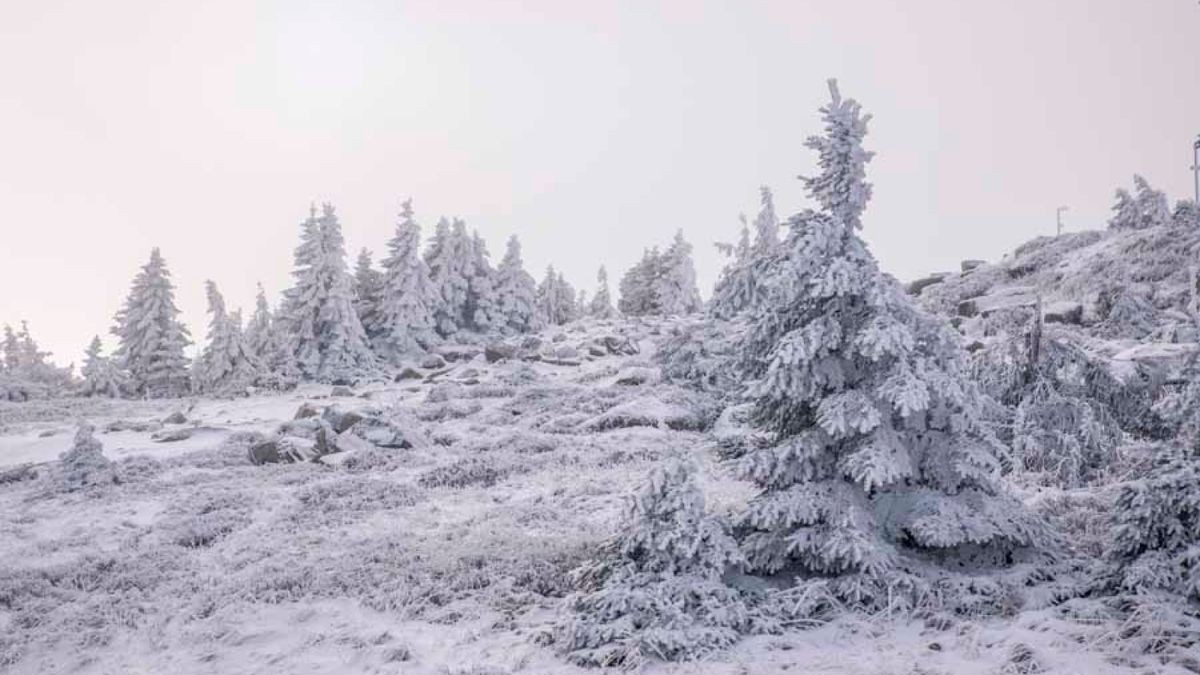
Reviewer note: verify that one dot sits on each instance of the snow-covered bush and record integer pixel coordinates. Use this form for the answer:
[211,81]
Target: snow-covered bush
[658,593]
[84,464]
[881,463]
[1156,527]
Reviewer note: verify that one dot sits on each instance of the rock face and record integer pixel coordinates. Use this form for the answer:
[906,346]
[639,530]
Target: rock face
[456,353]
[408,373]
[619,345]
[1063,312]
[968,265]
[171,435]
[499,351]
[341,390]
[341,420]
[305,411]
[917,285]
[176,417]
[1008,298]
[433,361]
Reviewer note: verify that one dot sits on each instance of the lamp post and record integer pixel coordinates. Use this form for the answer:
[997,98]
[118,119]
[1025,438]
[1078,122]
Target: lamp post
[1059,211]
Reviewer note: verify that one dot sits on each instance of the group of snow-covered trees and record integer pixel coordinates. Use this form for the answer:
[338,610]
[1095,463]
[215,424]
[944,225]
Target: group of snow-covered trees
[876,474]
[335,324]
[1147,207]
[662,282]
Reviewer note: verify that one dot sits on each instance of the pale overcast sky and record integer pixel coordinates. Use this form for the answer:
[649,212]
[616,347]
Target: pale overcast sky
[591,129]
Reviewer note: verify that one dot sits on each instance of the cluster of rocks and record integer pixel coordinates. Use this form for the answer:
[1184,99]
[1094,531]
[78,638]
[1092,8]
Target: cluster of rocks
[317,434]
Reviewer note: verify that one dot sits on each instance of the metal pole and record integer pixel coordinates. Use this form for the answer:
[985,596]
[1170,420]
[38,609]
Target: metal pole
[1196,169]
[1058,217]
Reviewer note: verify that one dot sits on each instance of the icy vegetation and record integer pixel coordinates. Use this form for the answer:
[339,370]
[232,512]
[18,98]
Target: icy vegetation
[443,465]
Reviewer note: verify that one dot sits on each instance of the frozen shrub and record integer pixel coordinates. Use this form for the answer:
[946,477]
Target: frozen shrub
[660,593]
[357,494]
[466,472]
[85,465]
[1156,535]
[701,355]
[204,519]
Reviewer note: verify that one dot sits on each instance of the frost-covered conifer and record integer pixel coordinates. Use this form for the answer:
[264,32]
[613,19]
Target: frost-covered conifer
[449,261]
[1156,533]
[675,290]
[268,346]
[516,292]
[879,452]
[1145,208]
[601,306]
[100,376]
[409,299]
[11,347]
[368,295]
[556,299]
[151,337]
[639,286]
[481,311]
[84,464]
[766,225]
[226,366]
[327,338]
[660,594]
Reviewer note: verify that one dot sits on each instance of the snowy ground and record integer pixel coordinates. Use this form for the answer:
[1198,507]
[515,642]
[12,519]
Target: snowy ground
[449,557]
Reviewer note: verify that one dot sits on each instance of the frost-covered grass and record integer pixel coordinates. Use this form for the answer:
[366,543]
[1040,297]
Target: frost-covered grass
[452,556]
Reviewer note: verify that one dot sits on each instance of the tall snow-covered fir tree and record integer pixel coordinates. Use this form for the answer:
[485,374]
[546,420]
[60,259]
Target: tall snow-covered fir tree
[326,336]
[676,293]
[267,343]
[151,337]
[408,300]
[481,312]
[100,375]
[368,295]
[738,288]
[449,260]
[555,299]
[226,366]
[661,595]
[880,467]
[639,285]
[516,292]
[601,306]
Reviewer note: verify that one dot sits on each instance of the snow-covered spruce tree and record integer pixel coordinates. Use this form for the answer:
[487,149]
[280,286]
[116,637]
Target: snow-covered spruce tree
[555,299]
[738,289]
[368,295]
[11,348]
[481,312]
[100,376]
[408,299]
[516,292]
[327,339]
[226,366]
[601,306]
[151,337]
[639,286]
[660,594]
[676,291]
[880,469]
[84,464]
[449,260]
[1156,534]
[1145,208]
[268,346]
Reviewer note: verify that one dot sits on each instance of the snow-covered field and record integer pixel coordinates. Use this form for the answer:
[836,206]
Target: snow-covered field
[450,556]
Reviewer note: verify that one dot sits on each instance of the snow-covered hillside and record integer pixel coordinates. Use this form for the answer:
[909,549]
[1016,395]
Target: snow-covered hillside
[451,554]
